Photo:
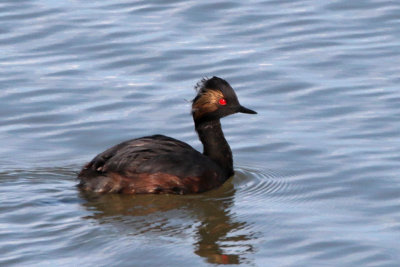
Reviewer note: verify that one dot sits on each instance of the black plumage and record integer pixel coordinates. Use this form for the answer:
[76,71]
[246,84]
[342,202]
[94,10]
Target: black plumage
[161,164]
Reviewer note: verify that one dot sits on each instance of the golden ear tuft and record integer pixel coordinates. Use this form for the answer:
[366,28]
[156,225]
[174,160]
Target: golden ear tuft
[207,102]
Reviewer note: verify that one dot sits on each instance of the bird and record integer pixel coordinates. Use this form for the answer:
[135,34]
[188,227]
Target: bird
[159,164]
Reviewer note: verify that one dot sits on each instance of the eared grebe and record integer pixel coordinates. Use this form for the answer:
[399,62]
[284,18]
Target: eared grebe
[160,164]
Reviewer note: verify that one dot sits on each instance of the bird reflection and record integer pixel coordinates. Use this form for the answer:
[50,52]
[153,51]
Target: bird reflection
[220,238]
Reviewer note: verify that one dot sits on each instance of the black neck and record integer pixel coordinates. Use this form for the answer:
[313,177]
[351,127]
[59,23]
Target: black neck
[214,144]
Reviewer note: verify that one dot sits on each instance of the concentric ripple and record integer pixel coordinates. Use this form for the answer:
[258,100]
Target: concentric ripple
[260,184]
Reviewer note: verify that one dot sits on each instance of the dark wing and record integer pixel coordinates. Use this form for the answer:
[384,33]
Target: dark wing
[151,154]
[153,164]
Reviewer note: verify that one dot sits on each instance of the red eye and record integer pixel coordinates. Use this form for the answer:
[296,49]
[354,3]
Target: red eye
[222,101]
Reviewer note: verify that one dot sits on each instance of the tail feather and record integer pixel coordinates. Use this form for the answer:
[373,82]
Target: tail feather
[91,180]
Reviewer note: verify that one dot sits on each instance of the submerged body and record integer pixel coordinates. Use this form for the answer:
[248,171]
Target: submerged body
[161,164]
[153,164]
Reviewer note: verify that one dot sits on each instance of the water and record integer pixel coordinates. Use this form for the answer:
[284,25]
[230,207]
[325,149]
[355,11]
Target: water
[317,169]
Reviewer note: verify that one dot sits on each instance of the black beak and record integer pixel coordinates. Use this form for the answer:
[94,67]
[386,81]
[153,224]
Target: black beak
[246,110]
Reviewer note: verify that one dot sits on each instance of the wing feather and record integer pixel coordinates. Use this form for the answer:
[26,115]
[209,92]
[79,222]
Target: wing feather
[149,154]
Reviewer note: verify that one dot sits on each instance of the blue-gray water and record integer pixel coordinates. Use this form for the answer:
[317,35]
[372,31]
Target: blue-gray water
[317,170]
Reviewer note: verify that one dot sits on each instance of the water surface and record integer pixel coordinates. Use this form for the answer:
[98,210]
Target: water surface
[316,170]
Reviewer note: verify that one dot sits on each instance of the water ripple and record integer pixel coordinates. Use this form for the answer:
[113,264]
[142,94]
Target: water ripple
[256,184]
